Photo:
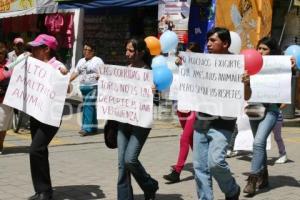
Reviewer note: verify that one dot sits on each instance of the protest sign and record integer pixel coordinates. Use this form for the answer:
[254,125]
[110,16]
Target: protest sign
[211,83]
[273,83]
[39,90]
[125,95]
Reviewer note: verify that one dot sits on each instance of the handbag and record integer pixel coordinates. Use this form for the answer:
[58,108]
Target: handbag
[255,110]
[111,133]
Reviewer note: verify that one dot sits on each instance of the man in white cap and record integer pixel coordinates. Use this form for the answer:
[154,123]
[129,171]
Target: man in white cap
[18,47]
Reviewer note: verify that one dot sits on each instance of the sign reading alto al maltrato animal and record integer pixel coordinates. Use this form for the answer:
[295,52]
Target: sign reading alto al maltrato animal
[125,94]
[211,83]
[39,90]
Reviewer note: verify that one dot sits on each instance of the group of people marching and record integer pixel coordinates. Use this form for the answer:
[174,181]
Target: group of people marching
[208,135]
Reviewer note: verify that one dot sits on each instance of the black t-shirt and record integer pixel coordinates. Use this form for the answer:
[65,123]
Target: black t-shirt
[205,121]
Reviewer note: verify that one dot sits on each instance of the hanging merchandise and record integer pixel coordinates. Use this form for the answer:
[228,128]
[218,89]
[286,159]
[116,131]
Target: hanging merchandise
[54,23]
[61,26]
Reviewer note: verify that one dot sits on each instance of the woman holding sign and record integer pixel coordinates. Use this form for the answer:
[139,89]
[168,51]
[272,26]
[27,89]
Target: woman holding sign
[131,139]
[261,128]
[6,112]
[43,48]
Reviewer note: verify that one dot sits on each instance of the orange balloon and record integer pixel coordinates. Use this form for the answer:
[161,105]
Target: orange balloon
[153,45]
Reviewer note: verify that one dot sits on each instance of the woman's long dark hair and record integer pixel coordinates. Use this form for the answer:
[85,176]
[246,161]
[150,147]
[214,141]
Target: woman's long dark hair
[140,45]
[271,43]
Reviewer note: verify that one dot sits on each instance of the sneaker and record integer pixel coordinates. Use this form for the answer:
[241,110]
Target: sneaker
[282,159]
[230,154]
[173,177]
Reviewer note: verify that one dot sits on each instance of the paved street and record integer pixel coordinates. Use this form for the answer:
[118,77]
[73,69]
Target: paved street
[82,168]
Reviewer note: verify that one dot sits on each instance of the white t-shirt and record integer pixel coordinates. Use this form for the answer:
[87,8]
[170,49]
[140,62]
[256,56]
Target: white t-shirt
[88,70]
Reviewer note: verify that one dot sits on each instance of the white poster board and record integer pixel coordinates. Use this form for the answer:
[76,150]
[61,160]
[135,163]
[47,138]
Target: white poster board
[211,83]
[244,138]
[125,95]
[273,83]
[39,90]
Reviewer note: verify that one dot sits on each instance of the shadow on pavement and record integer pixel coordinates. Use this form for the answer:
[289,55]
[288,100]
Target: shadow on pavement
[78,192]
[162,197]
[280,181]
[15,150]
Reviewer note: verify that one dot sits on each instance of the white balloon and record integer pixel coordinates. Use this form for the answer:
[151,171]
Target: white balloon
[236,43]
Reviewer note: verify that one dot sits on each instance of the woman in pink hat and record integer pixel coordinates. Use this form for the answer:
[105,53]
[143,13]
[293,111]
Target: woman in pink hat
[43,48]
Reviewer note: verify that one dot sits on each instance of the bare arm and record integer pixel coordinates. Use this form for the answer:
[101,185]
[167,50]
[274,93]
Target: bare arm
[282,106]
[293,62]
[247,87]
[73,76]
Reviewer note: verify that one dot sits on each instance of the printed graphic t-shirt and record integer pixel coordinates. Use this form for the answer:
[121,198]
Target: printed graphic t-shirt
[88,70]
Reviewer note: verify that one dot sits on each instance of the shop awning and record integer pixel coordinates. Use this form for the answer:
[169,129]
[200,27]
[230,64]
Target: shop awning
[90,4]
[19,7]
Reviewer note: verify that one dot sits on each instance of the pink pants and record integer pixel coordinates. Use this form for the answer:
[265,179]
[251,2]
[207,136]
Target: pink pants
[186,140]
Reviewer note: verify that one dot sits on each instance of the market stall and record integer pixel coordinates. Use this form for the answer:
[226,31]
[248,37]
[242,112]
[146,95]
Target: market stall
[110,23]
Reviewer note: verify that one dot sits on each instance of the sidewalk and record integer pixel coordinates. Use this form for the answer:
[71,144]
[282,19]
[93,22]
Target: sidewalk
[82,168]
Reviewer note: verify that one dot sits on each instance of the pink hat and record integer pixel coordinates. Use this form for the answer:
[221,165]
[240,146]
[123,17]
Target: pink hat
[44,39]
[18,40]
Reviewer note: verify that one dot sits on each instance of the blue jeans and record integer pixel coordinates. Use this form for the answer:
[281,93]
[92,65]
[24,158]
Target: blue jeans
[131,140]
[89,112]
[261,129]
[209,161]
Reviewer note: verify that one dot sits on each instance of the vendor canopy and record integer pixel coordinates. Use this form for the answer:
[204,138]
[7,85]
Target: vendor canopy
[16,8]
[90,4]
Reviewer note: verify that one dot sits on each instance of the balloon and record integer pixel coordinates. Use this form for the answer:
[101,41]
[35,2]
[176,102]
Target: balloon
[153,45]
[294,50]
[168,41]
[159,61]
[162,78]
[253,61]
[236,43]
